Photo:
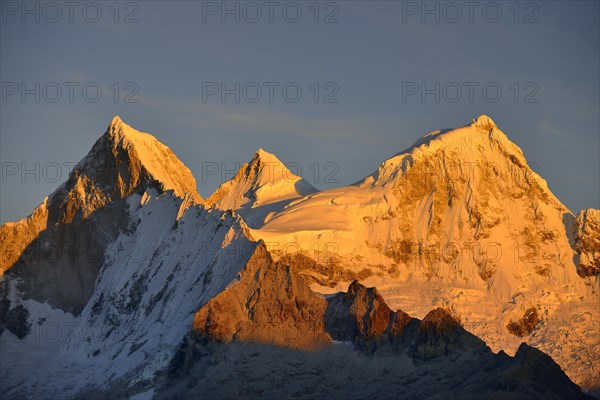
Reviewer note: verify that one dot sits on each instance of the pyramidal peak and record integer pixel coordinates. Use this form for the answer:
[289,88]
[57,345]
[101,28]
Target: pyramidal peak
[264,156]
[121,162]
[266,169]
[265,180]
[116,121]
[118,131]
[118,127]
[157,160]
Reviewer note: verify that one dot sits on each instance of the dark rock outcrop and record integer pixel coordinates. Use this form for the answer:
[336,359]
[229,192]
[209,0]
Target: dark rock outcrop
[15,320]
[526,324]
[270,304]
[537,371]
[441,334]
[4,309]
[362,316]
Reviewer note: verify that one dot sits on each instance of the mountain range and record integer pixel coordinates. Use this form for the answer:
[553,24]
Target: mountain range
[450,271]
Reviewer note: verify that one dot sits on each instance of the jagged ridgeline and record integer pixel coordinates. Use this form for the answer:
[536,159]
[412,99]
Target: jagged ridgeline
[125,281]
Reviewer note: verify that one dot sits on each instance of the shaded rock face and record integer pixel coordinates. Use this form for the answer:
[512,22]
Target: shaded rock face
[258,371]
[270,304]
[362,316]
[441,334]
[437,359]
[587,242]
[535,369]
[61,264]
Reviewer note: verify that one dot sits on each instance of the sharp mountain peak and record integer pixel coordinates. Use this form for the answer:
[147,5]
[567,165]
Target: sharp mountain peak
[127,149]
[264,156]
[122,161]
[265,179]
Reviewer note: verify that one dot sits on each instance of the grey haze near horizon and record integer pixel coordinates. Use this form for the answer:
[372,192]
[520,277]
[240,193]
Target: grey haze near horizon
[369,53]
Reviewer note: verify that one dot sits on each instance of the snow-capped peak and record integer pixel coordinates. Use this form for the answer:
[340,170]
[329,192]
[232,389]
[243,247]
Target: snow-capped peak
[143,155]
[484,122]
[121,162]
[116,121]
[264,156]
[471,149]
[265,180]
[118,130]
[265,169]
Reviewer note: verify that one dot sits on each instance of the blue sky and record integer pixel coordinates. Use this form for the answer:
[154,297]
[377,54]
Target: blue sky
[543,56]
